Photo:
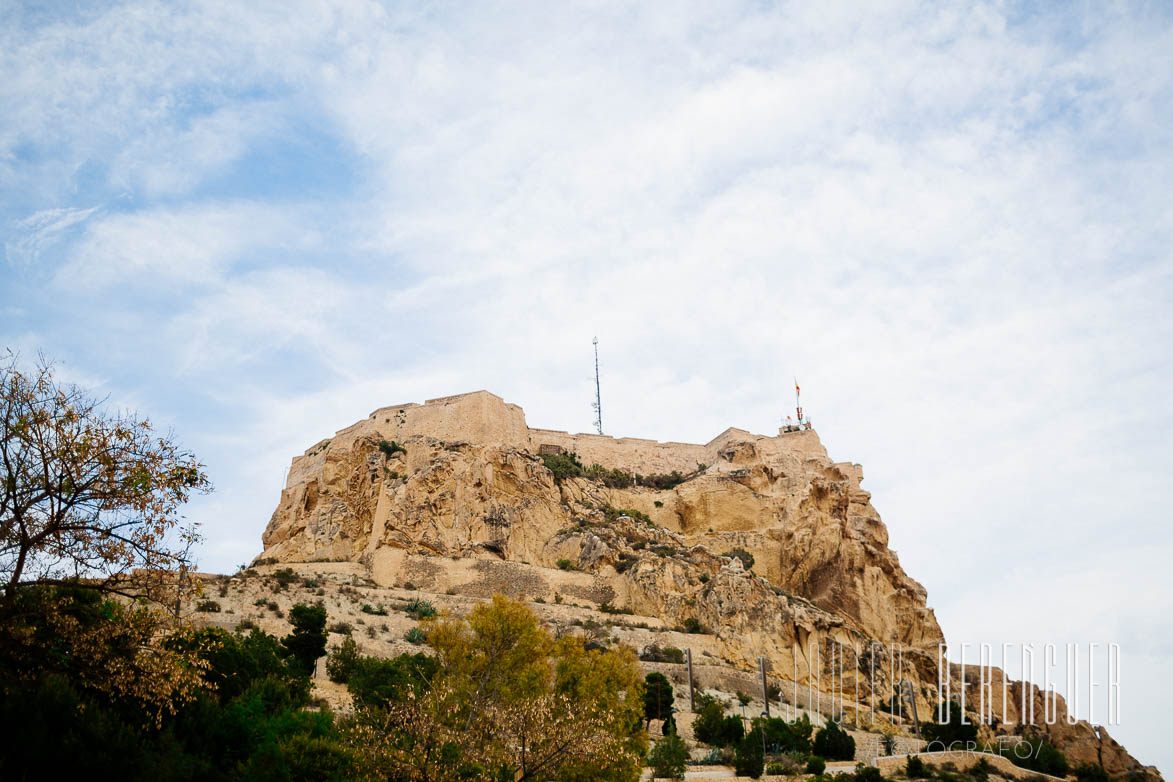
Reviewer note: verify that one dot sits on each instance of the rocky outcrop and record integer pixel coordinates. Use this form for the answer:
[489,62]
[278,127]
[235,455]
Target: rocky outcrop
[765,542]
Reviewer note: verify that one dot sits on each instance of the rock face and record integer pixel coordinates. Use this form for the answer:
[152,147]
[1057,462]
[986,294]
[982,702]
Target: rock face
[470,483]
[764,541]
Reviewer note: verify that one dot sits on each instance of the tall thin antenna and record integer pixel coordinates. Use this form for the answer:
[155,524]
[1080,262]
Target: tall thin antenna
[598,405]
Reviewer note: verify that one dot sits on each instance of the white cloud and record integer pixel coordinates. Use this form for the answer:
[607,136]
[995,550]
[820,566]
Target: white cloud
[952,223]
[30,236]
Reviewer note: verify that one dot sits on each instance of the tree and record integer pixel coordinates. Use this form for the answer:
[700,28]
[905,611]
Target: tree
[87,498]
[658,697]
[748,757]
[834,743]
[669,757]
[507,701]
[342,661]
[948,729]
[307,642]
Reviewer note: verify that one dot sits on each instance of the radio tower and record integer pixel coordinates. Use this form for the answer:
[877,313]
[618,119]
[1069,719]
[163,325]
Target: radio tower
[598,403]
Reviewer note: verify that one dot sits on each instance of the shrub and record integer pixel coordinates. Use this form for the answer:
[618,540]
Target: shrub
[915,768]
[415,636]
[1042,757]
[208,607]
[565,564]
[815,765]
[284,577]
[376,610]
[834,743]
[658,654]
[389,449]
[607,608]
[419,609]
[310,583]
[624,563]
[563,465]
[341,662]
[662,481]
[745,557]
[1090,772]
[657,503]
[867,773]
[948,731]
[693,625]
[376,683]
[342,628]
[669,757]
[748,758]
[777,769]
[613,514]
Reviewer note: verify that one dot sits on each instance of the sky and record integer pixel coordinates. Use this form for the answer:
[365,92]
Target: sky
[257,222]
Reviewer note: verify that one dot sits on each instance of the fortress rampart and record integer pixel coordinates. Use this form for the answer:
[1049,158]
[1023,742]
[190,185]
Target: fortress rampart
[483,418]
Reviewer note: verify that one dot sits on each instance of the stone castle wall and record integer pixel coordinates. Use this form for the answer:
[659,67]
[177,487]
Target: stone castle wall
[486,419]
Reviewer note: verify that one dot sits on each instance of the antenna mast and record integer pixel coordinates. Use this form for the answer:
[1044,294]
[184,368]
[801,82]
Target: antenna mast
[797,402]
[598,403]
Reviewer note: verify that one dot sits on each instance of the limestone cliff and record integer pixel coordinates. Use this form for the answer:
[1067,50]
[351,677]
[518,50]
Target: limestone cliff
[470,483]
[456,496]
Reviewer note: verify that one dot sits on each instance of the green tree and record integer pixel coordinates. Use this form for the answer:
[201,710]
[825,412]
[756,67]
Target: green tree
[948,728]
[748,757]
[658,697]
[669,757]
[307,642]
[341,662]
[834,743]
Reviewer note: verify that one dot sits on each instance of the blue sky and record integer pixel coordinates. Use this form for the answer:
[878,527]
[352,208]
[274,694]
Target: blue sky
[257,222]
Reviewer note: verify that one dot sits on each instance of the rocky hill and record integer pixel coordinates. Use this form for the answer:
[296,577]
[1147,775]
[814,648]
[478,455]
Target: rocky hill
[760,546]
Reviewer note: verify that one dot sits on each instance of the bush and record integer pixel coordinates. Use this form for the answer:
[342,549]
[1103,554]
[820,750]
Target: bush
[776,769]
[783,736]
[867,773]
[948,731]
[915,768]
[419,609]
[565,564]
[748,759]
[624,563]
[662,654]
[613,514]
[415,636]
[376,610]
[669,757]
[341,662]
[662,481]
[389,449]
[693,625]
[1042,757]
[709,722]
[834,743]
[208,607]
[284,577]
[376,683]
[815,765]
[563,465]
[745,557]
[342,628]
[1090,772]
[607,608]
